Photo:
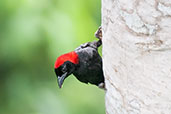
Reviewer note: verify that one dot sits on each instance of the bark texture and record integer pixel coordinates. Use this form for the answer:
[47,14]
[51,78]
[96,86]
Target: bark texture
[137,56]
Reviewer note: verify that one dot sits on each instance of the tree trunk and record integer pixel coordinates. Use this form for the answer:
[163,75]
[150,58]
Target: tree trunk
[137,56]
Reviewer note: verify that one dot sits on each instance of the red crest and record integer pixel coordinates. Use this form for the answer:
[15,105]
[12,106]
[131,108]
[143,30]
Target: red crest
[72,57]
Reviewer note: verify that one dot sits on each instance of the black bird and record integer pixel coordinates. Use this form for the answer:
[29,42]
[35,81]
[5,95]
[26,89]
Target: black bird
[84,63]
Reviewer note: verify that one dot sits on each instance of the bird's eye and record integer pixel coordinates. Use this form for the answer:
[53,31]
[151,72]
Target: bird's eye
[64,69]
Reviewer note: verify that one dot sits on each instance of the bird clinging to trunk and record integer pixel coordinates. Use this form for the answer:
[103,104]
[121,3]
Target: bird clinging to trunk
[84,63]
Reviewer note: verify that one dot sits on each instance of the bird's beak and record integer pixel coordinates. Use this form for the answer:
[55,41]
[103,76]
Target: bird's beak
[61,79]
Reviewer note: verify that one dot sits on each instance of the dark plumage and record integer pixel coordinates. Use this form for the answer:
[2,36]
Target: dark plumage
[84,63]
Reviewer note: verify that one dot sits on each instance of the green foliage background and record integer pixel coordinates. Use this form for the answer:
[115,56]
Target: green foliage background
[33,33]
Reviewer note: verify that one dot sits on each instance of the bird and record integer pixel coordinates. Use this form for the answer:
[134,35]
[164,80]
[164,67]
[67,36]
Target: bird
[85,63]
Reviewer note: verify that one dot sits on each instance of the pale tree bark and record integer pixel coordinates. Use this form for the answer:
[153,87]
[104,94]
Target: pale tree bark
[137,56]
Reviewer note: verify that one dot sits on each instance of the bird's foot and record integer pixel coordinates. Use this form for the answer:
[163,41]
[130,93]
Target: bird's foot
[98,33]
[102,86]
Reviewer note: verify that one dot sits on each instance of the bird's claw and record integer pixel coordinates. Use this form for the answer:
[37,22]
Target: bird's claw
[98,33]
[102,86]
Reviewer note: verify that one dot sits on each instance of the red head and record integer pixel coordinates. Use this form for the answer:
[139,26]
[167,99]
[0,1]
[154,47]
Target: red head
[71,56]
[65,65]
